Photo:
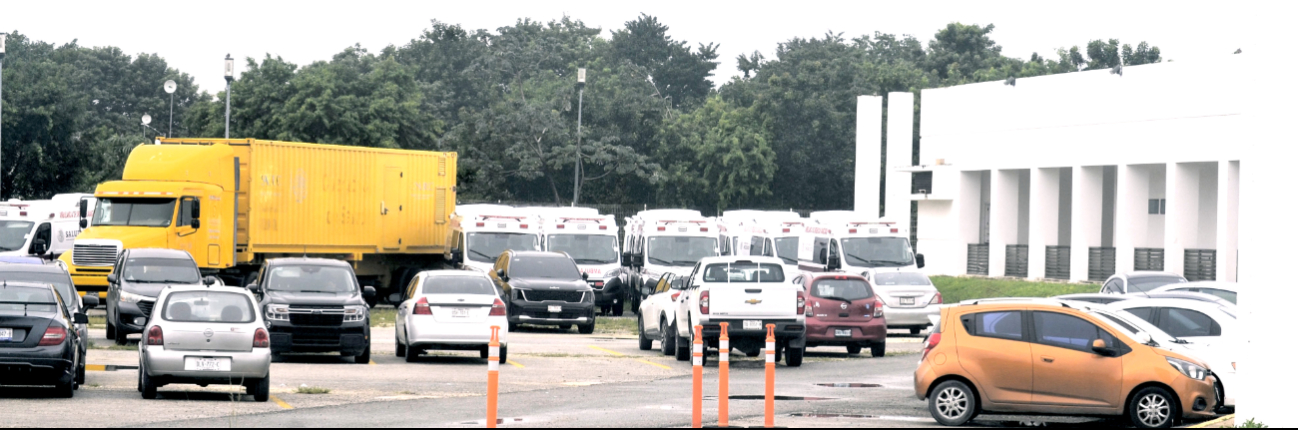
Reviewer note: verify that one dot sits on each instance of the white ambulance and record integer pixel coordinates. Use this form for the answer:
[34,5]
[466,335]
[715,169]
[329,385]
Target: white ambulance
[763,233]
[855,243]
[663,241]
[480,233]
[591,240]
[41,228]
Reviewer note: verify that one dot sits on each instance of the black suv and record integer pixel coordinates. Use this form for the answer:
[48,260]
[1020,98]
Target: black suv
[545,288]
[314,305]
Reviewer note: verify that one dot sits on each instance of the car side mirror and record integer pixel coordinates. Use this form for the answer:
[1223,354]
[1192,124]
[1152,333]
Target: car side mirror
[1100,347]
[195,224]
[627,260]
[80,318]
[457,256]
[395,298]
[637,260]
[90,301]
[833,264]
[919,260]
[112,278]
[84,223]
[210,280]
[39,246]
[196,210]
[585,276]
[84,208]
[369,292]
[1144,338]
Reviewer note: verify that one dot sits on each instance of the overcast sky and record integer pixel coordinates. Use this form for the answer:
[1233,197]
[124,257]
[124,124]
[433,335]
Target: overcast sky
[195,36]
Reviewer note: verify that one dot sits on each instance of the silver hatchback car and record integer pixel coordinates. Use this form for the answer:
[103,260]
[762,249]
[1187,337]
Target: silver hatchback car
[205,335]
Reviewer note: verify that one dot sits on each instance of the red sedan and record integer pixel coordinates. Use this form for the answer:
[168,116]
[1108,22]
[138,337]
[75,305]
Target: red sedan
[842,310]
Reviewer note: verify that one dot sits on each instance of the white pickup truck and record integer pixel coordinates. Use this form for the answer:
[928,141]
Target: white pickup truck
[748,293]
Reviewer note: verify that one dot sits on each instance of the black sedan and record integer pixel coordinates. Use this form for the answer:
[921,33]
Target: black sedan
[38,338]
[57,276]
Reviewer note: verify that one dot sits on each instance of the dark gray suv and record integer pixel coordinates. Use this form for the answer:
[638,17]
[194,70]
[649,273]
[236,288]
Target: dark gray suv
[315,305]
[138,277]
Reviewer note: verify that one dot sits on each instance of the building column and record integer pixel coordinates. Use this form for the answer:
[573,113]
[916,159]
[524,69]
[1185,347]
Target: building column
[1004,218]
[869,154]
[1227,221]
[901,150]
[1131,215]
[1088,204]
[1043,218]
[967,214]
[1181,228]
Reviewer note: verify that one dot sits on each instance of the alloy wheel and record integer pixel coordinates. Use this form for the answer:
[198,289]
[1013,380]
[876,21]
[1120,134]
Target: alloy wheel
[952,403]
[1154,410]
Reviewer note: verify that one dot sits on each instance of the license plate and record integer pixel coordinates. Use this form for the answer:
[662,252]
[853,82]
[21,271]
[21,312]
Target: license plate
[908,301]
[206,364]
[842,333]
[752,325]
[459,312]
[6,334]
[555,309]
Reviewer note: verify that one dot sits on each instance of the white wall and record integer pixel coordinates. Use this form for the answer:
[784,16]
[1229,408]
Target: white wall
[901,153]
[1206,233]
[869,152]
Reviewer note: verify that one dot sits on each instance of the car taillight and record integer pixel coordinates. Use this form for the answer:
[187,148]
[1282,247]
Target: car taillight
[421,307]
[155,336]
[54,336]
[705,303]
[802,303]
[497,309]
[937,299]
[932,342]
[260,339]
[878,309]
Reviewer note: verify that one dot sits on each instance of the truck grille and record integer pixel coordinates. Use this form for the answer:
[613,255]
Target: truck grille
[557,296]
[147,308]
[317,339]
[94,255]
[316,320]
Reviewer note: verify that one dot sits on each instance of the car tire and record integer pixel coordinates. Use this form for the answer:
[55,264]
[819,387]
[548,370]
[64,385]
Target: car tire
[853,349]
[586,328]
[401,348]
[646,343]
[668,340]
[110,332]
[412,354]
[260,390]
[793,356]
[504,354]
[119,337]
[148,390]
[65,391]
[1153,408]
[619,308]
[953,404]
[513,326]
[364,358]
[878,350]
[682,347]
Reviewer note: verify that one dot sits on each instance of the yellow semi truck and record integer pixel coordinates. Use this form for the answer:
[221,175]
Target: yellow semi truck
[232,204]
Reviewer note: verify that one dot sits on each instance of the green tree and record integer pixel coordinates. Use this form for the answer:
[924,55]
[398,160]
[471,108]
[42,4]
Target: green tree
[717,156]
[678,72]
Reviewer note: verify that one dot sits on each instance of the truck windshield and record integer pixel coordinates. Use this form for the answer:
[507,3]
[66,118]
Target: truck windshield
[585,248]
[134,212]
[13,234]
[160,271]
[308,278]
[681,251]
[743,272]
[486,247]
[558,267]
[787,249]
[878,252]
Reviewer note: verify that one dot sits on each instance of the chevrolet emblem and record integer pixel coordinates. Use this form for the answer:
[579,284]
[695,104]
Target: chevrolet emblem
[753,301]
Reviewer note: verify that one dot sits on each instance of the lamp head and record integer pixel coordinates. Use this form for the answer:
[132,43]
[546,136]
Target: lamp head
[581,76]
[229,68]
[170,86]
[146,119]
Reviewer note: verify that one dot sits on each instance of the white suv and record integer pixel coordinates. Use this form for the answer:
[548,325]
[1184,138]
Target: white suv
[748,293]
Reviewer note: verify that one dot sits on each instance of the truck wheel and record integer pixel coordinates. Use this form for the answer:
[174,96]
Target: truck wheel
[645,342]
[619,308]
[853,349]
[504,354]
[364,358]
[110,332]
[794,356]
[586,328]
[878,350]
[668,340]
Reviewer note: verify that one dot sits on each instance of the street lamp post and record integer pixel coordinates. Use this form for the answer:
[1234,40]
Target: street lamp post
[229,79]
[576,171]
[2,105]
[170,87]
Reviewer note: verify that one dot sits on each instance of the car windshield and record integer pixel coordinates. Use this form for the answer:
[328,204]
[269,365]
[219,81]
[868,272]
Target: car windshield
[786,248]
[900,278]
[13,234]
[134,212]
[585,248]
[311,279]
[842,289]
[743,272]
[545,267]
[878,252]
[486,247]
[148,270]
[680,251]
[458,285]
[1144,284]
[18,301]
[62,283]
[209,307]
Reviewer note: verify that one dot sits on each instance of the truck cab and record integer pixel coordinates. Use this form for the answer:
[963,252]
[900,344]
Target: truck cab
[659,242]
[761,233]
[592,242]
[853,243]
[40,228]
[480,233]
[748,293]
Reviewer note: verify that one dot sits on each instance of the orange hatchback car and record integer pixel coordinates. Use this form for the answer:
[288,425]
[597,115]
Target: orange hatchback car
[1049,357]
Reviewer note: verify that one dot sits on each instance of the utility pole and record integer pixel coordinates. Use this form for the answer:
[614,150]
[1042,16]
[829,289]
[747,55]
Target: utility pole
[170,87]
[229,79]
[576,171]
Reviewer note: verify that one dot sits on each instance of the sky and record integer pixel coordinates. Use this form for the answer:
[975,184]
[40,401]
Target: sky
[194,37]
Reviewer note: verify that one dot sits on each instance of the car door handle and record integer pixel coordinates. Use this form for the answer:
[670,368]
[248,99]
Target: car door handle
[1048,359]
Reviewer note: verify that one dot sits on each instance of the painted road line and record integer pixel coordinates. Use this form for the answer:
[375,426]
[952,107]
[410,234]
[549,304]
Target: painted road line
[1213,423]
[618,354]
[514,363]
[281,403]
[654,364]
[372,363]
[108,368]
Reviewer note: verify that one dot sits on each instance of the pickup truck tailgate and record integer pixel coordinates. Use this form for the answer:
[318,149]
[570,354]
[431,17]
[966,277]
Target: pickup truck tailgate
[764,300]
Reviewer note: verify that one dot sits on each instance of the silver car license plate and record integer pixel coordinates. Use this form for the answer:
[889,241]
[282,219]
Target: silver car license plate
[459,312]
[555,309]
[908,301]
[842,333]
[6,334]
[752,324]
[207,364]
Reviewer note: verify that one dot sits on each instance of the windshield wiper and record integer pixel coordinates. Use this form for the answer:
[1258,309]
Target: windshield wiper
[316,291]
[480,254]
[589,261]
[683,263]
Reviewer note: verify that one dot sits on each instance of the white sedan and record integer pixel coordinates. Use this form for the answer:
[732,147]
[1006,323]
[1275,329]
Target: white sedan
[1225,290]
[450,310]
[1209,328]
[909,298]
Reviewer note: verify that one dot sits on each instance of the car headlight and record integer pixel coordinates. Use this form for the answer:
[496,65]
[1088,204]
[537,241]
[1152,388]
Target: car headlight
[1190,370]
[126,297]
[588,297]
[355,313]
[276,312]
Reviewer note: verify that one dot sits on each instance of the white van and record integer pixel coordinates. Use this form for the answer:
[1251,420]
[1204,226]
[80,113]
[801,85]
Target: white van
[855,243]
[591,240]
[480,233]
[665,241]
[766,234]
[41,228]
